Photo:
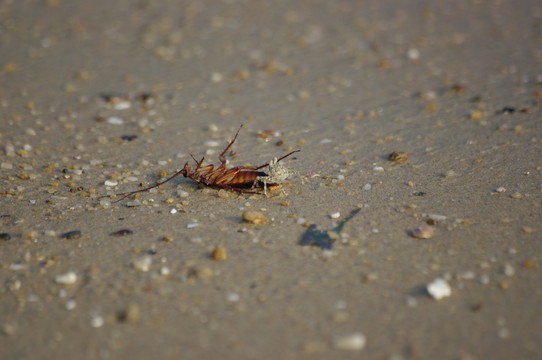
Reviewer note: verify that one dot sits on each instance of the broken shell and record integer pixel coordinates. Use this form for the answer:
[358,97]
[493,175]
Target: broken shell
[422,232]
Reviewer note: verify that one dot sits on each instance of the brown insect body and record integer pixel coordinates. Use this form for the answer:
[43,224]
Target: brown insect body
[239,178]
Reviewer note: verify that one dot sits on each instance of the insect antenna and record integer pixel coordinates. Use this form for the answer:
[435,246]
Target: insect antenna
[284,157]
[126,194]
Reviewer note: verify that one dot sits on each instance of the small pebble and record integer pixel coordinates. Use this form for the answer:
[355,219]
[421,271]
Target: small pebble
[422,232]
[335,215]
[367,187]
[72,235]
[143,263]
[352,342]
[97,321]
[182,193]
[68,278]
[500,190]
[192,225]
[219,254]
[114,120]
[111,183]
[254,217]
[233,297]
[378,168]
[439,289]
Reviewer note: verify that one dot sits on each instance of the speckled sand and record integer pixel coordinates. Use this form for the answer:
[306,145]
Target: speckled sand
[97,97]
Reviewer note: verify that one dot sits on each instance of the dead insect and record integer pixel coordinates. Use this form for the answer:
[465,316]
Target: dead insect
[241,179]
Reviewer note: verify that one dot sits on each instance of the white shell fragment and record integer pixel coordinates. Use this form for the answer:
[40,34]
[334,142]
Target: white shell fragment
[143,263]
[111,183]
[352,342]
[335,215]
[113,120]
[439,289]
[67,278]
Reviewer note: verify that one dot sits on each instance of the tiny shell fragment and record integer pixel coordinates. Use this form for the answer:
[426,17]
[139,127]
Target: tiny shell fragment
[254,217]
[439,289]
[352,342]
[67,278]
[422,232]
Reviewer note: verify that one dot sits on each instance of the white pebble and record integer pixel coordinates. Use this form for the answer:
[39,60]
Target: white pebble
[335,215]
[500,190]
[509,270]
[352,342]
[67,278]
[436,217]
[367,187]
[111,183]
[217,77]
[182,193]
[378,168]
[173,211]
[143,263]
[439,289]
[114,120]
[233,297]
[97,321]
[71,304]
[413,54]
[211,143]
[122,105]
[192,225]
[17,266]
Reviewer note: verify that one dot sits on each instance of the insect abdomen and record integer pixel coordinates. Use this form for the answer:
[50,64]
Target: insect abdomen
[245,178]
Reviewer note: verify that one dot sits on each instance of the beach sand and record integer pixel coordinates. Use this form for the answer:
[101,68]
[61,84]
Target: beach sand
[104,97]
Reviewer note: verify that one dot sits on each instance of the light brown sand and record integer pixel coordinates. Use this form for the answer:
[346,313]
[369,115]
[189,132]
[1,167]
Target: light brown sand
[346,82]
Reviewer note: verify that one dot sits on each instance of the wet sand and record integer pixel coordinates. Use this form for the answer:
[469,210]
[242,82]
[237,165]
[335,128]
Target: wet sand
[104,97]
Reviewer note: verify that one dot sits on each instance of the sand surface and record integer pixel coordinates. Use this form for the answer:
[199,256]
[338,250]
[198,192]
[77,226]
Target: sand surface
[121,92]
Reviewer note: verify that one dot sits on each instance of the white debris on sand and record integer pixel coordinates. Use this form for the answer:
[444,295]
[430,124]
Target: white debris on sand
[67,278]
[352,342]
[439,289]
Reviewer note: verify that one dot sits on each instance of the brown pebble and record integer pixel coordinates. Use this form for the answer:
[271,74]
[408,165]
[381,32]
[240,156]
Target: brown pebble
[422,232]
[219,254]
[528,264]
[254,217]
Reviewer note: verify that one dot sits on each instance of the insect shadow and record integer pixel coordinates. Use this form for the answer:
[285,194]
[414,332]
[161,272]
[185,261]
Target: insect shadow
[322,239]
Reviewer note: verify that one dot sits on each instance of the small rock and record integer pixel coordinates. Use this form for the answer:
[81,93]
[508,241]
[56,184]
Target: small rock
[335,215]
[219,254]
[422,232]
[352,342]
[68,278]
[439,289]
[143,263]
[254,217]
[72,235]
